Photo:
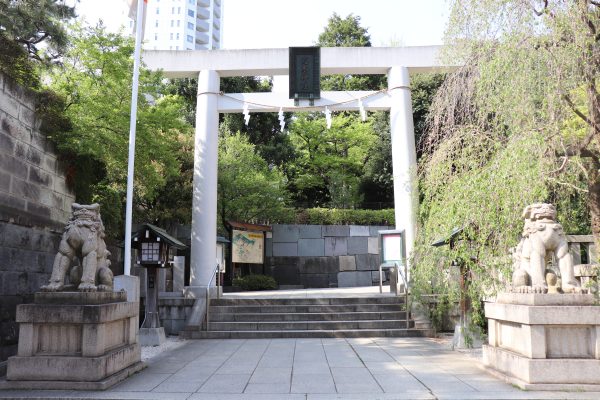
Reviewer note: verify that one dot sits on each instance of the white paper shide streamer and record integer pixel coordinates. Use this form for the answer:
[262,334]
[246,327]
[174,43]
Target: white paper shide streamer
[281,119]
[361,109]
[328,117]
[246,113]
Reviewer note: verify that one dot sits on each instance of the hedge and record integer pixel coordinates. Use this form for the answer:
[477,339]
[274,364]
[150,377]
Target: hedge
[335,216]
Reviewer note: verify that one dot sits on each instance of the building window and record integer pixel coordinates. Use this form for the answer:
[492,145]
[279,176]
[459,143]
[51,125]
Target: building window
[172,23]
[156,36]
[178,21]
[178,10]
[176,47]
[177,36]
[190,38]
[190,25]
[191,13]
[171,37]
[156,23]
[157,10]
[172,10]
[170,47]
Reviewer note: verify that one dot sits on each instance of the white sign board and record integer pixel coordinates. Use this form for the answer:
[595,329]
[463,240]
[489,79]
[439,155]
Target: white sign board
[248,247]
[392,247]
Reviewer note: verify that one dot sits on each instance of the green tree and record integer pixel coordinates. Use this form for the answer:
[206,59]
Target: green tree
[377,185]
[329,162]
[31,32]
[249,190]
[347,32]
[95,83]
[518,124]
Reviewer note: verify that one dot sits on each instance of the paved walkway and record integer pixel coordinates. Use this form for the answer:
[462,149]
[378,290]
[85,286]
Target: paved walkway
[310,369]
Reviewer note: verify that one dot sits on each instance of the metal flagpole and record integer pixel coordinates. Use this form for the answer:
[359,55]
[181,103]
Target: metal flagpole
[132,128]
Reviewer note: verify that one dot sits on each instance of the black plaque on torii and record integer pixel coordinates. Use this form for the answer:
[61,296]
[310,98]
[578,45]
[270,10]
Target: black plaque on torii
[305,74]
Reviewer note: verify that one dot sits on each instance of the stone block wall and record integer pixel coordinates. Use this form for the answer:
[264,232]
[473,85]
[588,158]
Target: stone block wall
[317,256]
[34,207]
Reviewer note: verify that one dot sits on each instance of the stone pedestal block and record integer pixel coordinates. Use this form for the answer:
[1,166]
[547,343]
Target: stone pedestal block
[152,336]
[544,341]
[75,340]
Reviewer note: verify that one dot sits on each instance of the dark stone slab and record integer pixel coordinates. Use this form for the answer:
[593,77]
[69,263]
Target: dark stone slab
[336,246]
[7,143]
[314,280]
[285,249]
[354,279]
[13,166]
[268,247]
[39,177]
[25,189]
[286,274]
[367,262]
[336,230]
[4,182]
[358,245]
[311,247]
[286,233]
[359,230]
[318,265]
[79,298]
[310,231]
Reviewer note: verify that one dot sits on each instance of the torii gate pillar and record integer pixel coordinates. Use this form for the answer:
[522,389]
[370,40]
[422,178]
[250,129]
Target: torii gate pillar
[204,203]
[404,155]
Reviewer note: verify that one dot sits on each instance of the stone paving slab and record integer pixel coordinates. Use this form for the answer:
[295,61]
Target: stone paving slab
[311,369]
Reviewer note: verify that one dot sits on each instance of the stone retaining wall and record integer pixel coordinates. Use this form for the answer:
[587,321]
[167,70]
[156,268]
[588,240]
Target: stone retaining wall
[317,256]
[35,204]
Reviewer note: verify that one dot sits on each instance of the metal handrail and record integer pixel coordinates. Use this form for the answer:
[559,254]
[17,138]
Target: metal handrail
[217,273]
[404,279]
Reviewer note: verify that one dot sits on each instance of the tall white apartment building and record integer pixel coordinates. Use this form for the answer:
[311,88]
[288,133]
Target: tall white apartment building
[183,25]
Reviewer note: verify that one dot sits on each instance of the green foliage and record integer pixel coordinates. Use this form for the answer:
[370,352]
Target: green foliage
[329,161]
[347,32]
[36,24]
[256,282]
[95,83]
[503,133]
[249,190]
[336,216]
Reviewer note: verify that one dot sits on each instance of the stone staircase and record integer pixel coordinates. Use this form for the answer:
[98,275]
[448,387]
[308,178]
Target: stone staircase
[326,317]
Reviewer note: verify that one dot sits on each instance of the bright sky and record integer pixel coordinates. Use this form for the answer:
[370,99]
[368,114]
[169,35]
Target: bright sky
[283,23]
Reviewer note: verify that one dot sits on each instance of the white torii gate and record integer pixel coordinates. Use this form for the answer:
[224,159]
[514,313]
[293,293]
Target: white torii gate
[211,65]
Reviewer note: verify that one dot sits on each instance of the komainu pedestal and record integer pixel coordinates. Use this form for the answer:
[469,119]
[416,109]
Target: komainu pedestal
[75,340]
[544,341]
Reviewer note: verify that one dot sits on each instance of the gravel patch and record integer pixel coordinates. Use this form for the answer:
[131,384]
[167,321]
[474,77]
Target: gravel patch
[172,343]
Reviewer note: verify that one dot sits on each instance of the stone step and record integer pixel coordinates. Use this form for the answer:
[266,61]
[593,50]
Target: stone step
[280,317]
[308,301]
[309,325]
[339,308]
[349,333]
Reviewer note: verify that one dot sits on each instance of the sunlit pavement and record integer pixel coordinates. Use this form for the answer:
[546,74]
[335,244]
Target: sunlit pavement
[373,368]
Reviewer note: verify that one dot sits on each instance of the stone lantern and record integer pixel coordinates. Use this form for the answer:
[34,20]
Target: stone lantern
[154,250]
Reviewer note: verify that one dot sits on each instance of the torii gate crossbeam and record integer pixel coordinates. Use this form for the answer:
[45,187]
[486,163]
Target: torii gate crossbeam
[209,66]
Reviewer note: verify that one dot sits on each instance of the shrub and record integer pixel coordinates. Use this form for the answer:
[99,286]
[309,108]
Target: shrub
[256,282]
[338,216]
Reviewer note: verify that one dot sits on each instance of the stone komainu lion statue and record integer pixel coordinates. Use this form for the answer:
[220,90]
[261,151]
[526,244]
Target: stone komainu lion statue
[542,236]
[83,238]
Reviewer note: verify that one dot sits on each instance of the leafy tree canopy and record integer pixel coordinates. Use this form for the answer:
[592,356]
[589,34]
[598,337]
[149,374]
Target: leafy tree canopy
[31,31]
[249,190]
[347,32]
[518,124]
[95,83]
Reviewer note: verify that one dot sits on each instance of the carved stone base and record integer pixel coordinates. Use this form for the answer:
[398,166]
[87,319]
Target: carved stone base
[552,340]
[76,337]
